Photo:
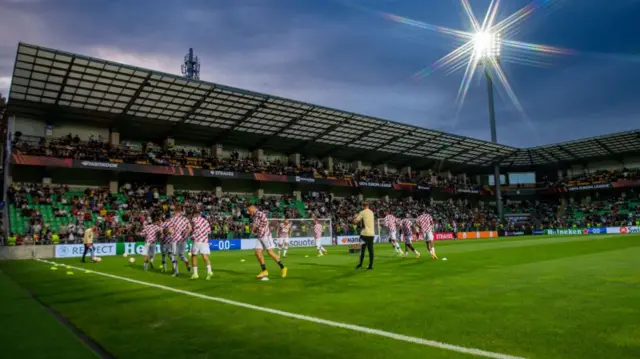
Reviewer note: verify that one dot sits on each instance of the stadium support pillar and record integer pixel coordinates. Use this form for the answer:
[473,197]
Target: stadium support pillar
[360,197]
[463,178]
[406,170]
[169,143]
[494,139]
[383,167]
[295,159]
[446,175]
[297,195]
[258,154]
[328,163]
[170,190]
[216,151]
[48,130]
[219,191]
[113,187]
[356,165]
[560,175]
[114,138]
[260,193]
[9,180]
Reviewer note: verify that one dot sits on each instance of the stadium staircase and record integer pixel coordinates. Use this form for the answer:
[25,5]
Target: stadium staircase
[301,209]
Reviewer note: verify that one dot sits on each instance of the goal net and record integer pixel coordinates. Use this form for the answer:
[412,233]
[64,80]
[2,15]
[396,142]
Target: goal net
[383,235]
[301,231]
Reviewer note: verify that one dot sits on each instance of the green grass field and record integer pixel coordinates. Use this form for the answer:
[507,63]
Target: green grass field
[537,297]
[30,331]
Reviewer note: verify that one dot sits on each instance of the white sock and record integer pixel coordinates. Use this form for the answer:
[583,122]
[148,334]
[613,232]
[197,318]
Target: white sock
[432,250]
[195,270]
[208,268]
[285,251]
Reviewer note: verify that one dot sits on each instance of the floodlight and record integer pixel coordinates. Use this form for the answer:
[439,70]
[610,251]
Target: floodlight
[486,45]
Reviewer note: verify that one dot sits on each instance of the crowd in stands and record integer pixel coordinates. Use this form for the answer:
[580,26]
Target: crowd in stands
[447,214]
[97,149]
[602,176]
[59,214]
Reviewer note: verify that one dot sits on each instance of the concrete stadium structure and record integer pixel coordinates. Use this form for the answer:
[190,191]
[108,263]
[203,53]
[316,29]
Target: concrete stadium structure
[54,93]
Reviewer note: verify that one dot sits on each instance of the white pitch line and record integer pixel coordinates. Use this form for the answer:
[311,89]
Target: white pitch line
[356,328]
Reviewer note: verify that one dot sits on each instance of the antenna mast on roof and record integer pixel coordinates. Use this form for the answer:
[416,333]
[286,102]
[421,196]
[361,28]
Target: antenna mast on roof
[191,66]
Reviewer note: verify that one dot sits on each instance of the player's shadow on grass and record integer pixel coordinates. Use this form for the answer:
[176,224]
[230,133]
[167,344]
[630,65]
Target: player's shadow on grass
[183,273]
[322,265]
[228,271]
[347,274]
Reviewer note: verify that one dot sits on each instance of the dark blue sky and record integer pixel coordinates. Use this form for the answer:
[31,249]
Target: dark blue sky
[343,54]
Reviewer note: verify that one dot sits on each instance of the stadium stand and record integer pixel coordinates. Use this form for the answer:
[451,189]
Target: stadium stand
[96,142]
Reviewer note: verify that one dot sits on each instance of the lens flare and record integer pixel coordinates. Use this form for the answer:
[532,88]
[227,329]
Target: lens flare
[485,46]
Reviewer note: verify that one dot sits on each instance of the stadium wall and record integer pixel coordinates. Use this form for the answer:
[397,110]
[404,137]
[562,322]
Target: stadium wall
[192,183]
[30,126]
[85,132]
[38,127]
[26,252]
[191,145]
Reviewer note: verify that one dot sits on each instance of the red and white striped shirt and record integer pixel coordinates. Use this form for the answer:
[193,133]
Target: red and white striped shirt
[179,226]
[407,227]
[317,231]
[283,231]
[261,225]
[151,233]
[166,238]
[201,230]
[425,222]
[390,222]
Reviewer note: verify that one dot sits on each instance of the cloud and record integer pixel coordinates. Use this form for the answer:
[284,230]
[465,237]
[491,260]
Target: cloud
[5,82]
[326,56]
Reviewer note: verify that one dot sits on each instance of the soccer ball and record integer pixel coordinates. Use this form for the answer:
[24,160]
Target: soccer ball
[132,260]
[98,259]
[125,255]
[95,259]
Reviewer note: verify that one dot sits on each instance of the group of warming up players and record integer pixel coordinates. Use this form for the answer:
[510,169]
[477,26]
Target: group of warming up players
[407,231]
[172,235]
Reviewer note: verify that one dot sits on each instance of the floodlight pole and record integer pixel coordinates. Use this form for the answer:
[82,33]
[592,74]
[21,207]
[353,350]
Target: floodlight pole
[494,139]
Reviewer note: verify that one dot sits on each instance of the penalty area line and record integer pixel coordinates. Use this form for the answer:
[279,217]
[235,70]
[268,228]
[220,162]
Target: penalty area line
[355,328]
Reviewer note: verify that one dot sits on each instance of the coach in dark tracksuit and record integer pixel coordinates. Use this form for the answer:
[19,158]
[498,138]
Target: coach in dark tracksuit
[367,233]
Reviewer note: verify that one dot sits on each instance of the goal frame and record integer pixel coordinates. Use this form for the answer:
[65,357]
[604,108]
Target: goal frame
[327,221]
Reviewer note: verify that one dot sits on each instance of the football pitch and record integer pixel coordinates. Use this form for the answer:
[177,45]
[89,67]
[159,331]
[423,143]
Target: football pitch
[527,297]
